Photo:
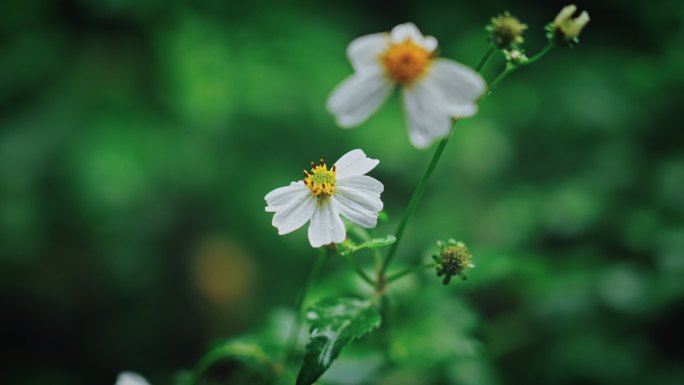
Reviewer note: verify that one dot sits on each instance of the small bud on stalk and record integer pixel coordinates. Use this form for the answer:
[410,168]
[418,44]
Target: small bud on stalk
[515,57]
[453,259]
[505,31]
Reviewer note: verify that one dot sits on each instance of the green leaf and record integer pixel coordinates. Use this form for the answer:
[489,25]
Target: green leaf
[235,361]
[349,246]
[334,323]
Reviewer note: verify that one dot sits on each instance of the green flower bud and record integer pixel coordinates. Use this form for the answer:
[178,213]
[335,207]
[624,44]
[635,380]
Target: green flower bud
[505,31]
[515,56]
[452,260]
[565,30]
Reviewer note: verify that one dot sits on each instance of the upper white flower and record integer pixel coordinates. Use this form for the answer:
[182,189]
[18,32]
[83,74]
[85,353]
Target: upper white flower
[324,194]
[130,378]
[434,90]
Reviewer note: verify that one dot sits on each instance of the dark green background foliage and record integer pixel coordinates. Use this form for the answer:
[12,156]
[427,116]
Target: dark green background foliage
[138,139]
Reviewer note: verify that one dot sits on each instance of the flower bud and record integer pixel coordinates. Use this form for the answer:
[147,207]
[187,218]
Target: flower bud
[452,260]
[515,56]
[565,30]
[505,31]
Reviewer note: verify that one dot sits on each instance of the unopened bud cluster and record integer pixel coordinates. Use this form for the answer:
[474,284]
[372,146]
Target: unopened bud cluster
[506,34]
[454,257]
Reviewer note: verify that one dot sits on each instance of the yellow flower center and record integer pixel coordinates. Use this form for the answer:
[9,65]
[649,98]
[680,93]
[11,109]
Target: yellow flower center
[405,62]
[320,180]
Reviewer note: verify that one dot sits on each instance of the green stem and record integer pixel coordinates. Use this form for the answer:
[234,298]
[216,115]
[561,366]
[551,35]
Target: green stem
[410,270]
[435,158]
[414,202]
[313,274]
[421,185]
[388,312]
[359,270]
[539,55]
[510,69]
[485,58]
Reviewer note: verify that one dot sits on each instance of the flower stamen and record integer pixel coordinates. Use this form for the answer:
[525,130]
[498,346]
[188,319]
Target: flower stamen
[320,180]
[405,62]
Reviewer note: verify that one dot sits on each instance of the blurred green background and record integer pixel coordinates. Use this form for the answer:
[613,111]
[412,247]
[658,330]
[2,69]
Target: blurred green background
[138,139]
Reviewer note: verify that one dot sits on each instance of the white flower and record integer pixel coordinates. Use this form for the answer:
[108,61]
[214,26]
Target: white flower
[434,90]
[130,378]
[324,194]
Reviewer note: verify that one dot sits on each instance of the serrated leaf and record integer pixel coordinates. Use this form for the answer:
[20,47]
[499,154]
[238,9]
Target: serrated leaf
[334,323]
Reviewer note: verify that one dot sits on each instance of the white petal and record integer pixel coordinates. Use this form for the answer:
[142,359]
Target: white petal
[429,43]
[356,213]
[426,119]
[280,197]
[360,196]
[362,183]
[130,378]
[296,213]
[358,97]
[364,52]
[459,86]
[355,162]
[406,31]
[326,225]
[409,31]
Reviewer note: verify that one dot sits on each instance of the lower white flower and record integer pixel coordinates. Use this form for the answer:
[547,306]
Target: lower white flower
[130,378]
[324,194]
[434,91]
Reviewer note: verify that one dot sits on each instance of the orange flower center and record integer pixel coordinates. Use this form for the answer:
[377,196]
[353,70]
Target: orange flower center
[405,62]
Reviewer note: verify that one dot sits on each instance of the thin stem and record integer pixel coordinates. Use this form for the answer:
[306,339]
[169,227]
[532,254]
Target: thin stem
[435,158]
[485,58]
[539,55]
[359,270]
[388,313]
[421,185]
[409,270]
[509,70]
[313,274]
[377,256]
[414,202]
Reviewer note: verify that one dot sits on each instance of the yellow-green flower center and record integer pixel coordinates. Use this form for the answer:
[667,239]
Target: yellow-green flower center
[405,62]
[320,180]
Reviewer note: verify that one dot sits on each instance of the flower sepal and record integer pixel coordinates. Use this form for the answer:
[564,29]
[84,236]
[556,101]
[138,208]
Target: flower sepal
[515,57]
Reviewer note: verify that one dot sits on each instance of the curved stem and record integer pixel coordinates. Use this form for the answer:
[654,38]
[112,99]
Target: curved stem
[409,270]
[423,182]
[539,55]
[438,153]
[359,270]
[414,202]
[509,70]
